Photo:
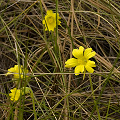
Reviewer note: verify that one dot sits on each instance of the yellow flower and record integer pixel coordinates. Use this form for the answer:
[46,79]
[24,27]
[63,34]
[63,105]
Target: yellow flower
[82,62]
[17,71]
[15,94]
[50,20]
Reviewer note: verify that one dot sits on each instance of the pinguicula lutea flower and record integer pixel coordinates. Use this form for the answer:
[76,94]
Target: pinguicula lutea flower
[17,71]
[50,20]
[16,93]
[81,61]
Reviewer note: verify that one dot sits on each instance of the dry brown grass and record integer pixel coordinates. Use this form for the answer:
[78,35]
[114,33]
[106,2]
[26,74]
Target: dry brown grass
[59,95]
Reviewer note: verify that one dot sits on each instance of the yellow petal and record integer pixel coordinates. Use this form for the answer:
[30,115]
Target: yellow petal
[46,29]
[16,68]
[10,71]
[58,22]
[51,27]
[91,55]
[78,69]
[87,51]
[81,48]
[43,21]
[58,17]
[91,63]
[15,94]
[13,90]
[78,52]
[89,69]
[71,62]
[88,54]
[49,12]
[10,94]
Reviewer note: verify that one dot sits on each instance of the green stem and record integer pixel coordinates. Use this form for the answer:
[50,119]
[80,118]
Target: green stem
[56,45]
[33,101]
[94,98]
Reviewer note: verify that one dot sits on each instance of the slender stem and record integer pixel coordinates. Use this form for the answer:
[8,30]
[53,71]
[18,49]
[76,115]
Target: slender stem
[56,37]
[32,96]
[94,98]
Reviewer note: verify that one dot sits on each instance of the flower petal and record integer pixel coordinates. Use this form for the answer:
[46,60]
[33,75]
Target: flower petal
[15,94]
[49,12]
[72,62]
[88,54]
[13,90]
[91,55]
[78,52]
[43,21]
[78,69]
[87,51]
[10,71]
[51,27]
[89,66]
[16,67]
[91,63]
[58,17]
[81,49]
[89,69]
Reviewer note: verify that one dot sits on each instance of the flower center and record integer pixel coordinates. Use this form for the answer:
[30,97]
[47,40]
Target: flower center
[82,61]
[50,19]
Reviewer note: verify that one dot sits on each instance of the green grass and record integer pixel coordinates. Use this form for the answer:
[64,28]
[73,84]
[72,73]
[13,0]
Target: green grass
[57,93]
